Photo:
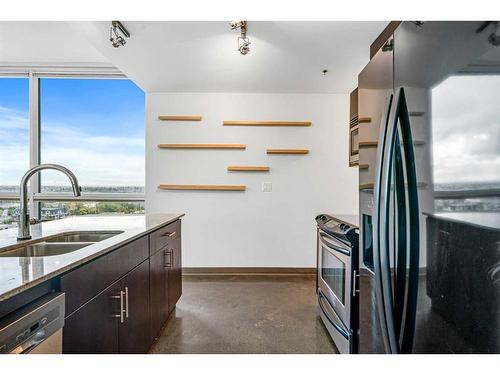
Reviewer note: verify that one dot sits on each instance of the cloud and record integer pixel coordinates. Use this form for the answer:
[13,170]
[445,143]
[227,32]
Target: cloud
[111,160]
[466,129]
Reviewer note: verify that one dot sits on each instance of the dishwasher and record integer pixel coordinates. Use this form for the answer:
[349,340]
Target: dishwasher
[35,328]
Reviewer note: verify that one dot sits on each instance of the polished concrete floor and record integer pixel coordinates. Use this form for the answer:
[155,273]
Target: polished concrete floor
[246,314]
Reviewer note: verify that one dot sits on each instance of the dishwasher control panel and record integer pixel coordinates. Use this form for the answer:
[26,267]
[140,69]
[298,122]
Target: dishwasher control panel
[25,328]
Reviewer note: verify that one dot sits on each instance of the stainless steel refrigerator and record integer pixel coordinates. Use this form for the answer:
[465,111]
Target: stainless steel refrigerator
[429,180]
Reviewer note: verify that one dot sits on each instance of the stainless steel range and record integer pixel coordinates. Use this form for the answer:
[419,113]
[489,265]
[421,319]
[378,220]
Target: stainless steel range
[337,279]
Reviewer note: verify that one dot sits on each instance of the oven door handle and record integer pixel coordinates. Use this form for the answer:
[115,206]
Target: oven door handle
[332,318]
[334,244]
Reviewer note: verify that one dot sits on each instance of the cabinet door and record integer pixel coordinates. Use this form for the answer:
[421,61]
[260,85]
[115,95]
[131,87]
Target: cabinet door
[134,332]
[93,328]
[159,291]
[175,275]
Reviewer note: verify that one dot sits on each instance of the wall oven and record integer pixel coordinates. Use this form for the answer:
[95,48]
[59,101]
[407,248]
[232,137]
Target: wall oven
[337,244]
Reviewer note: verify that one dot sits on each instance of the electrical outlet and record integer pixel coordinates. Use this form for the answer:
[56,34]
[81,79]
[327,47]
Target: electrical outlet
[267,187]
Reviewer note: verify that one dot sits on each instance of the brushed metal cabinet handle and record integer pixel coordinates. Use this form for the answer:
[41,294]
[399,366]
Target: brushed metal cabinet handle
[169,234]
[120,315]
[167,264]
[126,302]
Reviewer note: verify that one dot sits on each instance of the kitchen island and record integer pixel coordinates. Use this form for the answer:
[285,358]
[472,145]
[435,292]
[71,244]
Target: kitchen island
[119,291]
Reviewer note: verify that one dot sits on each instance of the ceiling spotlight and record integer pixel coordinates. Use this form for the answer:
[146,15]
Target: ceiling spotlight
[493,38]
[243,41]
[117,34]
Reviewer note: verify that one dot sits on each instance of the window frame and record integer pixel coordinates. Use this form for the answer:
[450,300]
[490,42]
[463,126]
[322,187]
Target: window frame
[34,74]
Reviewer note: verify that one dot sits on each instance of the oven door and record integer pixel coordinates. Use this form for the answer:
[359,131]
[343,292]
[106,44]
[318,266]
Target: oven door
[334,275]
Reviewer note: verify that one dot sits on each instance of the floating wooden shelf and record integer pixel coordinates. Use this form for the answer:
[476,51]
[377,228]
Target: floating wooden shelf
[203,187]
[364,120]
[289,151]
[202,146]
[267,123]
[363,166]
[368,144]
[248,168]
[179,118]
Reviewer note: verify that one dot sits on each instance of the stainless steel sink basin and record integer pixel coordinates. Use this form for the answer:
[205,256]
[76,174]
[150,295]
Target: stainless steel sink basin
[58,244]
[43,249]
[83,236]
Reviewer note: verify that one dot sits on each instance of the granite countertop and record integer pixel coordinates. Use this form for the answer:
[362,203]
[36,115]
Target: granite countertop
[487,220]
[20,273]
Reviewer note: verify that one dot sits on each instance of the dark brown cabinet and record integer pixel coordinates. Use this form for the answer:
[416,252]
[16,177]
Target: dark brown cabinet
[174,275]
[94,327]
[83,283]
[158,277]
[134,331]
[165,274]
[118,303]
[115,321]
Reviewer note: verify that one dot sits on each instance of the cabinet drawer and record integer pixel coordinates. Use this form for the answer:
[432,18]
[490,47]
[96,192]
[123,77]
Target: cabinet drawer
[164,236]
[90,279]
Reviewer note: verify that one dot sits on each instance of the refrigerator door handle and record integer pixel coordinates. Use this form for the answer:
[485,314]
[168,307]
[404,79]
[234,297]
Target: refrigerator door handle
[397,339]
[380,229]
[412,215]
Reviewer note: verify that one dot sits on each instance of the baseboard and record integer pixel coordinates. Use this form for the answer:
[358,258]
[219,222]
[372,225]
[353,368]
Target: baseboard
[249,271]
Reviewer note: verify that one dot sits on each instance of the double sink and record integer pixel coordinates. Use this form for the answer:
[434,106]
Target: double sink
[58,244]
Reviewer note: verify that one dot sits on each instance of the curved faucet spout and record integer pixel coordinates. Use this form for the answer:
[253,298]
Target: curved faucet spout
[24,223]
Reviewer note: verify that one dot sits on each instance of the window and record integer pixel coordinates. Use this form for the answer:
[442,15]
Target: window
[466,134]
[14,143]
[94,127]
[92,124]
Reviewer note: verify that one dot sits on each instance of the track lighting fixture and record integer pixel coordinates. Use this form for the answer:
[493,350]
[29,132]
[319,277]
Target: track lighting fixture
[494,37]
[243,41]
[117,34]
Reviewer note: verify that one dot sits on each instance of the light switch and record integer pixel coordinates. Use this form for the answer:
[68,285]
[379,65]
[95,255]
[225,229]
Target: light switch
[267,187]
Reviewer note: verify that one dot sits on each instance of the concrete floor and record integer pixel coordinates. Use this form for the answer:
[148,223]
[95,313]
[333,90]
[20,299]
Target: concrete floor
[246,314]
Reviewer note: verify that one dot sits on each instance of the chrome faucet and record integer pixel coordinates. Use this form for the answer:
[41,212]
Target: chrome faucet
[24,220]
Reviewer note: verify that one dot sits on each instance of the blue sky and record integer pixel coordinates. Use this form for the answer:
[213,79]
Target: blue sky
[94,127]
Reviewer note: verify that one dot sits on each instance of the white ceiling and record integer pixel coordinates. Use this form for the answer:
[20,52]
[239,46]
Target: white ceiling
[45,43]
[197,56]
[203,57]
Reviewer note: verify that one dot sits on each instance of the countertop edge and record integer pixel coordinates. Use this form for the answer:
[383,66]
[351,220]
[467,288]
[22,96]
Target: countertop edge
[17,290]
[460,221]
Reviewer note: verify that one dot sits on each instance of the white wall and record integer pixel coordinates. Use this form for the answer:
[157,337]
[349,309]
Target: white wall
[251,228]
